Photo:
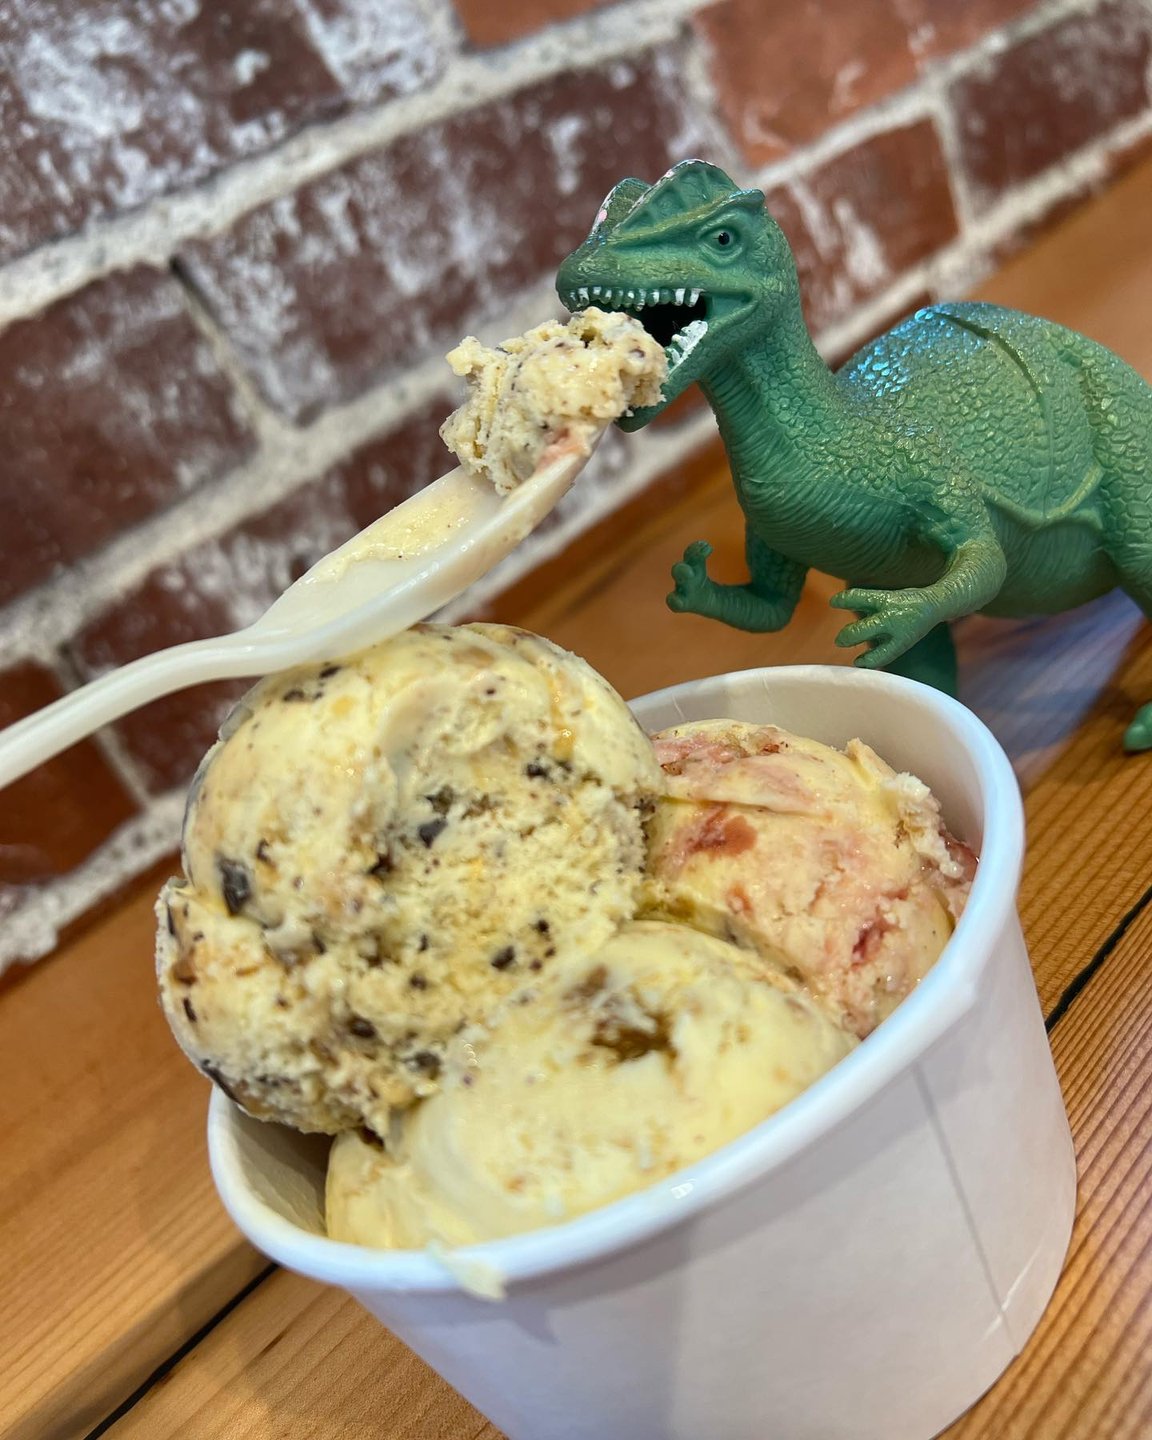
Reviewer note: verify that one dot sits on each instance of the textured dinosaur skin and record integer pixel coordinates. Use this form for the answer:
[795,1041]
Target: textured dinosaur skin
[973,458]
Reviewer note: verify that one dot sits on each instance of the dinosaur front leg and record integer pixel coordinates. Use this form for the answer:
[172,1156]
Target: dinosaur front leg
[892,621]
[766,602]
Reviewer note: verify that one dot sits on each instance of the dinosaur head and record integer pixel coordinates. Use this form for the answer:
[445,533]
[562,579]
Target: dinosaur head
[697,260]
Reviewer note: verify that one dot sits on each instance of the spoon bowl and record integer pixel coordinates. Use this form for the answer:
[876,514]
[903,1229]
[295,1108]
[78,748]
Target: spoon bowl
[396,571]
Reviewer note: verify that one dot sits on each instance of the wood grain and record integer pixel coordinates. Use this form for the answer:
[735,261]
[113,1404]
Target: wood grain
[299,1360]
[119,1251]
[615,616]
[1092,271]
[114,1246]
[1084,1376]
[1086,1373]
[1088,806]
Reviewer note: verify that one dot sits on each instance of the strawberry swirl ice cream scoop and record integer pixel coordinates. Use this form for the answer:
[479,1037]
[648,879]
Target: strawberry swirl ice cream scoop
[828,864]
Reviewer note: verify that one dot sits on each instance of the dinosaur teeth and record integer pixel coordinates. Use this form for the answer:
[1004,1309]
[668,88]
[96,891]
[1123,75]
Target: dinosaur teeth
[685,341]
[618,297]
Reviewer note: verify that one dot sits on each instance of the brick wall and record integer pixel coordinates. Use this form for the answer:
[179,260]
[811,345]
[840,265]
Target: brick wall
[235,240]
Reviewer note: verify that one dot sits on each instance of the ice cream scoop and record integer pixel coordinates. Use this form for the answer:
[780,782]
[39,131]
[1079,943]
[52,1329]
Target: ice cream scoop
[608,1075]
[539,405]
[827,864]
[378,851]
[558,384]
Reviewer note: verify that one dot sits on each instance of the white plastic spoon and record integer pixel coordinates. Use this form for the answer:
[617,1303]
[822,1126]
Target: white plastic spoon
[399,569]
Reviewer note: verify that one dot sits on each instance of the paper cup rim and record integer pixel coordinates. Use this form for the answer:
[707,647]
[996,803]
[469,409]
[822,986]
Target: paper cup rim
[934,1007]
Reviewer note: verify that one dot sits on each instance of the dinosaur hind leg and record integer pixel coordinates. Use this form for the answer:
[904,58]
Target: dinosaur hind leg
[1118,406]
[1138,736]
[1132,556]
[932,661]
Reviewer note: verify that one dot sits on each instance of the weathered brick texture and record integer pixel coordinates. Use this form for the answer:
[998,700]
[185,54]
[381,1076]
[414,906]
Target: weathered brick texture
[105,106]
[863,219]
[220,586]
[353,278]
[940,27]
[1031,105]
[55,817]
[471,146]
[785,73]
[488,23]
[111,407]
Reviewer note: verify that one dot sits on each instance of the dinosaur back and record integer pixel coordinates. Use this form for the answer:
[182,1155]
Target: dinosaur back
[1020,402]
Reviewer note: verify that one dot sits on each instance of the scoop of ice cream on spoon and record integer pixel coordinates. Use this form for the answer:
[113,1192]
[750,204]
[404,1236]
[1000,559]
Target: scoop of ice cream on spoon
[522,450]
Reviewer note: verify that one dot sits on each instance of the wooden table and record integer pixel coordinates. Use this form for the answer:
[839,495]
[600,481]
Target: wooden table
[133,1309]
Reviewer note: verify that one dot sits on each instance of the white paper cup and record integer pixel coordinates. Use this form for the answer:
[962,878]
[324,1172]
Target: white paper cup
[861,1266]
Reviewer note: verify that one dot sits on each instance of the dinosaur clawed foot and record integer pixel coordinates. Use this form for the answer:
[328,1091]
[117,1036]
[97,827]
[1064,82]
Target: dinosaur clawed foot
[1138,736]
[693,586]
[891,621]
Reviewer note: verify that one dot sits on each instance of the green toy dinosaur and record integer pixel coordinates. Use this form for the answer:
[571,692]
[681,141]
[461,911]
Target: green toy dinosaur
[972,459]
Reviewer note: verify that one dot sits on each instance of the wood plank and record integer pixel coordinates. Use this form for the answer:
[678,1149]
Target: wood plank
[114,1246]
[121,1113]
[1056,693]
[311,1363]
[301,1362]
[1090,852]
[1086,790]
[1092,272]
[1087,804]
[1087,1372]
[615,616]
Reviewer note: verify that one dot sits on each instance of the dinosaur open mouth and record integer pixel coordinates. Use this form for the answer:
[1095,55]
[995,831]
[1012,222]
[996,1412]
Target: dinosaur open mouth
[674,318]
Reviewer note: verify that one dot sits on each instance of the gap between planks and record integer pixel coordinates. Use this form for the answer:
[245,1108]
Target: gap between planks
[1088,812]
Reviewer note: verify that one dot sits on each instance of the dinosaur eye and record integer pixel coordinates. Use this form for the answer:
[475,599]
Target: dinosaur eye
[724,238]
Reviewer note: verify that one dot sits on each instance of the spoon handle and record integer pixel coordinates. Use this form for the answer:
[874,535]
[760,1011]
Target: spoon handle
[399,569]
[43,734]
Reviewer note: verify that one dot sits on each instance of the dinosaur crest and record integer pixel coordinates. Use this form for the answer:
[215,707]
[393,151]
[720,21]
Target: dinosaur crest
[689,191]
[622,198]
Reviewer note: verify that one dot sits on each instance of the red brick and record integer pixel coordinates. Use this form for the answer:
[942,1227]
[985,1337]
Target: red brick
[785,73]
[227,583]
[359,274]
[935,29]
[1066,204]
[111,407]
[106,106]
[486,23]
[376,49]
[865,217]
[52,819]
[1031,106]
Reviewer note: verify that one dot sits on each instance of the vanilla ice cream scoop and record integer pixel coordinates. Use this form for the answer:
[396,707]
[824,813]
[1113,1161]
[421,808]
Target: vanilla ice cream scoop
[826,864]
[378,850]
[612,1073]
[560,383]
